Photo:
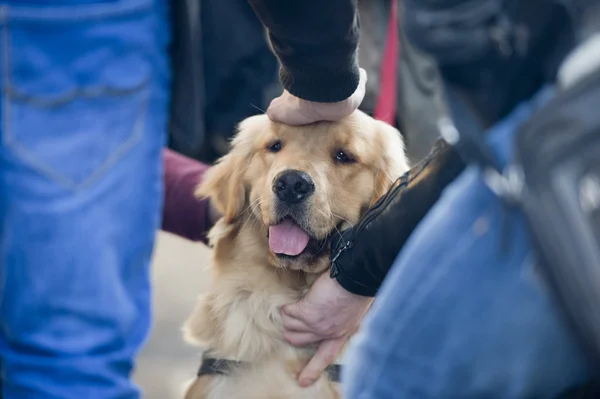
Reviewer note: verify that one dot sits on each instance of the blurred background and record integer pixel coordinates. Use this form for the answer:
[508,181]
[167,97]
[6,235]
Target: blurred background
[179,275]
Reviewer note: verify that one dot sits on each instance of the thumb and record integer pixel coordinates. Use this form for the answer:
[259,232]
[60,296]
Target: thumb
[294,310]
[287,109]
[325,355]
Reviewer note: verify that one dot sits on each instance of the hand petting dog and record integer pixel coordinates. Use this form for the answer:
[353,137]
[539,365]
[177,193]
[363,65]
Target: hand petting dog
[328,314]
[293,110]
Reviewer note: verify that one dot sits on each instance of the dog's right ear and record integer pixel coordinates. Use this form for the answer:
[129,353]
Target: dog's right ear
[394,164]
[224,185]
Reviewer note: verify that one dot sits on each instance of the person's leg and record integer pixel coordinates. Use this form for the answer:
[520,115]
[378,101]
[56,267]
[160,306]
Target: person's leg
[459,318]
[84,111]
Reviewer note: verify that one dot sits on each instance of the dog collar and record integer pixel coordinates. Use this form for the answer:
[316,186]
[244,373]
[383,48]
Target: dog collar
[215,366]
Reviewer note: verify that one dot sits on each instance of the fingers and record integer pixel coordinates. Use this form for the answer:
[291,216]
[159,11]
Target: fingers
[292,110]
[293,324]
[297,331]
[294,310]
[326,354]
[289,109]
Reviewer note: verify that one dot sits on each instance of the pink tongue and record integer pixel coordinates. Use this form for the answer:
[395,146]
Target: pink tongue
[287,238]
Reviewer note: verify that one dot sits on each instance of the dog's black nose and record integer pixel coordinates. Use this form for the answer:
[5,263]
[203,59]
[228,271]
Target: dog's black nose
[293,186]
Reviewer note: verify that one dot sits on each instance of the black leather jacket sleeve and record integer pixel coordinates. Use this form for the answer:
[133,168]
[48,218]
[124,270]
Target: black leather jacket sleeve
[361,256]
[316,43]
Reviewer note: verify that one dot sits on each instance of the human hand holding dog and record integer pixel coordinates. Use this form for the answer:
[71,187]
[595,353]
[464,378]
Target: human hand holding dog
[327,314]
[293,110]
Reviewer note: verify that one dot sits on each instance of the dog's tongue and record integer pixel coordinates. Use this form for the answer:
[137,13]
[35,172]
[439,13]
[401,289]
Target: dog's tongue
[287,238]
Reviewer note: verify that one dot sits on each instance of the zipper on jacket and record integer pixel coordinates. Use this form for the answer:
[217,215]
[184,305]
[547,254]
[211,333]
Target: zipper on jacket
[372,214]
[335,269]
[369,216]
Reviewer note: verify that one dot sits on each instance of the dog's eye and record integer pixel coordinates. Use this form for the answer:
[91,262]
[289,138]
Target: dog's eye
[343,157]
[275,146]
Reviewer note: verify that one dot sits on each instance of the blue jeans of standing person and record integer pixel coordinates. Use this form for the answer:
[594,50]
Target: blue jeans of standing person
[83,120]
[458,317]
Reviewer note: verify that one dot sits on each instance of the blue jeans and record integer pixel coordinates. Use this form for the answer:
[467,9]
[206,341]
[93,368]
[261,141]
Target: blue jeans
[458,317]
[85,94]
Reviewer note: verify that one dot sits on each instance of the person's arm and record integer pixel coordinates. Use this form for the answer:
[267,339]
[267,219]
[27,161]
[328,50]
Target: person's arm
[316,43]
[362,256]
[184,214]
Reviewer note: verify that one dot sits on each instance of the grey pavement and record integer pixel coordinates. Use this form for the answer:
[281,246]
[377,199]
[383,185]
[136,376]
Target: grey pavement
[179,275]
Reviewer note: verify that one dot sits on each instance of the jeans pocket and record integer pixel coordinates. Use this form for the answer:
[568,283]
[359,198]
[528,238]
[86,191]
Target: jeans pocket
[70,75]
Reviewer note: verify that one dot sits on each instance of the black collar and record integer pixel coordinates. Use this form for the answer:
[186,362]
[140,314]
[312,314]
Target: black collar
[213,366]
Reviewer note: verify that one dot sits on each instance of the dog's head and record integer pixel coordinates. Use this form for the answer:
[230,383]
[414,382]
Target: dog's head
[299,185]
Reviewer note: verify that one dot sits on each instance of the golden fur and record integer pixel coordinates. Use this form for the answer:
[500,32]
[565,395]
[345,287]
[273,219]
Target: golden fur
[239,317]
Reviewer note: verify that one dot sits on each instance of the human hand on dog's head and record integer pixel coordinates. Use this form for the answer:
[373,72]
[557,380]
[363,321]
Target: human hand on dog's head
[292,110]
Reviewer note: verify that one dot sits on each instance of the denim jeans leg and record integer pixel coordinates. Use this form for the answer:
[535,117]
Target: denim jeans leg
[84,113]
[459,318]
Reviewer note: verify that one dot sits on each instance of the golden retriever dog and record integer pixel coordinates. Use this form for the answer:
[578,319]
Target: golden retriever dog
[283,192]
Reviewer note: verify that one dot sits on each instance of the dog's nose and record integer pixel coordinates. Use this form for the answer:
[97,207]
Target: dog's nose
[293,186]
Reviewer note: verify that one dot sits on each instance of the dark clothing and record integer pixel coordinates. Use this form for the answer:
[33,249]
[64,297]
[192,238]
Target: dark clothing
[220,75]
[316,43]
[186,116]
[240,71]
[498,53]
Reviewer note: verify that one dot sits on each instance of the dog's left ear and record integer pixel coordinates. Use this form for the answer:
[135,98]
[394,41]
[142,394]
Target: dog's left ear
[224,183]
[393,162]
